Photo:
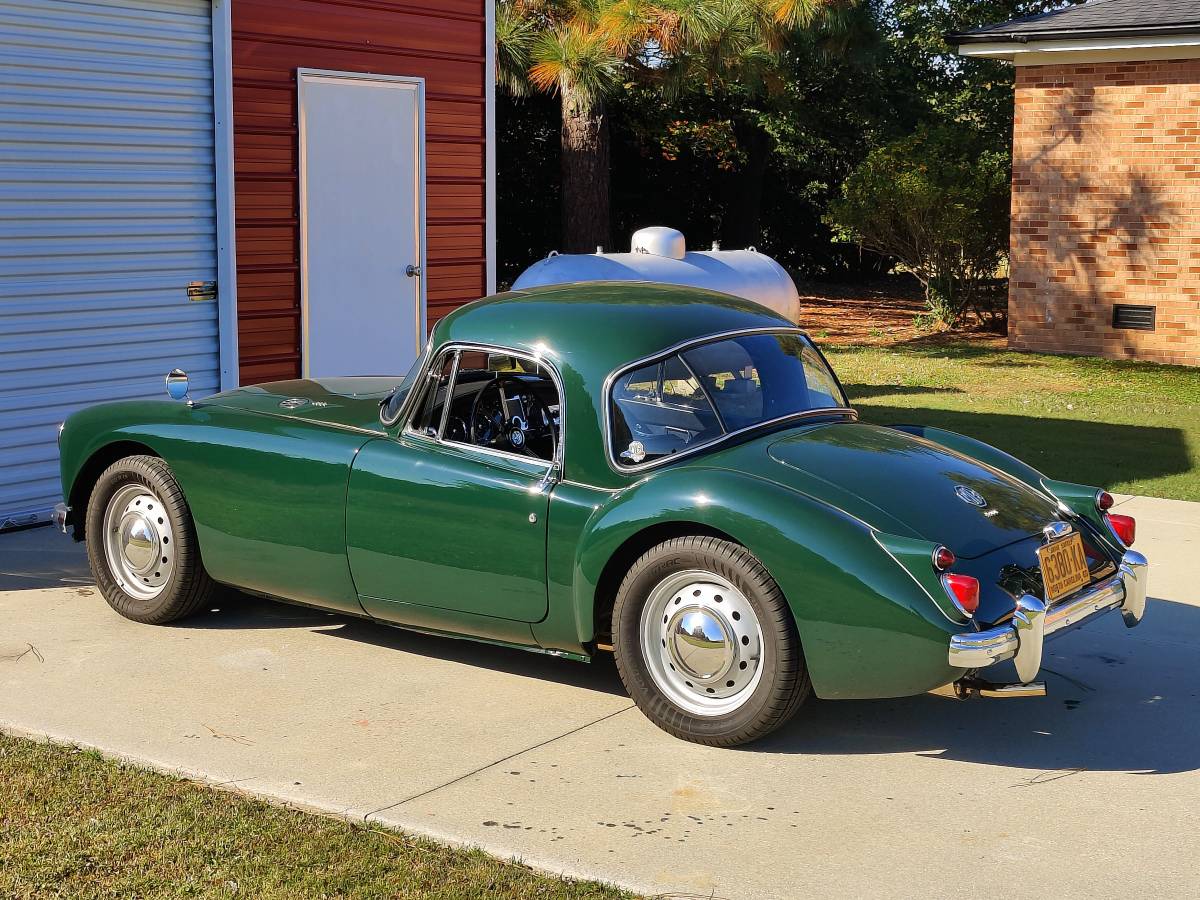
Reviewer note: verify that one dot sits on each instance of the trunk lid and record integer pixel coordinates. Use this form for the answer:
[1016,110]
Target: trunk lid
[904,484]
[351,402]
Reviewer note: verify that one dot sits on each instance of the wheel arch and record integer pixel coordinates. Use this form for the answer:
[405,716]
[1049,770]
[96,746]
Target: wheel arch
[80,492]
[619,562]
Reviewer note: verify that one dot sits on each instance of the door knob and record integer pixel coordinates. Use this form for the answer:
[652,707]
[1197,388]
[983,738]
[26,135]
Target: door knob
[412,271]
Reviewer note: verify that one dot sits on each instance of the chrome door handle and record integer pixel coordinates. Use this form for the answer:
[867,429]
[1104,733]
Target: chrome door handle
[412,271]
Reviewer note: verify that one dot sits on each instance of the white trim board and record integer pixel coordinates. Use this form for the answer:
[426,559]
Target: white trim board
[1087,50]
[489,137]
[227,324]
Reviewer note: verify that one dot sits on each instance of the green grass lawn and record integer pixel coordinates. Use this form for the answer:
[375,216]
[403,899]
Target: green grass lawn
[73,824]
[1127,426]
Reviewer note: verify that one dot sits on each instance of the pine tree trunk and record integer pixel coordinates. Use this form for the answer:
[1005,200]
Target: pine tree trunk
[585,176]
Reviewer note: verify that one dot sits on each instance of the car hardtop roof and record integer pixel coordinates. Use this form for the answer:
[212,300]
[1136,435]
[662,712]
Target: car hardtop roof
[594,328]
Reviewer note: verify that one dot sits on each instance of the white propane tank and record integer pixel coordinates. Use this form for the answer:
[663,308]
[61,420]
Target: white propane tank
[660,254]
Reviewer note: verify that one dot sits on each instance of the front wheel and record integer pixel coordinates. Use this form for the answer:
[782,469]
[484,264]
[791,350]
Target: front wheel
[705,643]
[141,543]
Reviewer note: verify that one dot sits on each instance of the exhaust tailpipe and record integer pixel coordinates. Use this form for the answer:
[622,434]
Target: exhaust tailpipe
[966,688]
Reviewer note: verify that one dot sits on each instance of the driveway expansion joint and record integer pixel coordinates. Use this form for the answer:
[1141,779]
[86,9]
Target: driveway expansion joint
[459,778]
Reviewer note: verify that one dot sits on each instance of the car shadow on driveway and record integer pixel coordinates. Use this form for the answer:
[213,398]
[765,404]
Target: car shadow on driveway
[599,675]
[1114,704]
[242,611]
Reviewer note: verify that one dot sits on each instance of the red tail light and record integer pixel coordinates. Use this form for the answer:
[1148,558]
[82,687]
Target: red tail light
[963,590]
[943,558]
[1104,501]
[1123,527]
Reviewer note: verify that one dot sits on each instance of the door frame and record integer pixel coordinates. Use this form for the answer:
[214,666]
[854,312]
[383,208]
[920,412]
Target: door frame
[556,466]
[418,84]
[227,319]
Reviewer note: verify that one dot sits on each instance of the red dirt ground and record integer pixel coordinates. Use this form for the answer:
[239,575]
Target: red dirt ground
[877,314]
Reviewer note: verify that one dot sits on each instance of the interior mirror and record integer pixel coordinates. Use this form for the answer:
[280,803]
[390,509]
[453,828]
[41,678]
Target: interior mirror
[177,384]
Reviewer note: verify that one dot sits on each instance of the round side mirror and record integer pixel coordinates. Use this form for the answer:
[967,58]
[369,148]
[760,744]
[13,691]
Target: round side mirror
[177,384]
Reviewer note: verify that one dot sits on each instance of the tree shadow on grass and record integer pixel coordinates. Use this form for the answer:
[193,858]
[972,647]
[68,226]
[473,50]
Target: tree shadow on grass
[864,391]
[1095,453]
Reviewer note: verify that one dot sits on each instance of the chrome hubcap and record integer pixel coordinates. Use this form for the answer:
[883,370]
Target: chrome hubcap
[139,545]
[698,643]
[702,642]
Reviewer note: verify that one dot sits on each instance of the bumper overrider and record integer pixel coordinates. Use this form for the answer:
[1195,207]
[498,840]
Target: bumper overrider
[61,517]
[1021,640]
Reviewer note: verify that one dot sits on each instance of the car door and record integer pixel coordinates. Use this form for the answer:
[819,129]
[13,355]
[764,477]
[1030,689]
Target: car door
[438,522]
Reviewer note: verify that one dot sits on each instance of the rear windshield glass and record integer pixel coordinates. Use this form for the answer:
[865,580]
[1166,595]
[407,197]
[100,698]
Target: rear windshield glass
[712,389]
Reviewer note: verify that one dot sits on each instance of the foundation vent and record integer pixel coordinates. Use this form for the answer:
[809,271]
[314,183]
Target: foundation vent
[1139,318]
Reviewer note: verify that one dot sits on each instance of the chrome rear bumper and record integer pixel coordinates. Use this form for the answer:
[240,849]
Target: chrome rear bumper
[1022,640]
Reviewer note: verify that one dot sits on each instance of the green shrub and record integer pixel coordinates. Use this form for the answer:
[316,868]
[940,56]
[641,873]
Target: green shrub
[939,204]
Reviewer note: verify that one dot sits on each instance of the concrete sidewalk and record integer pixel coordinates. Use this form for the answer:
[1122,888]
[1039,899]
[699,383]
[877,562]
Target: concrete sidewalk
[1091,792]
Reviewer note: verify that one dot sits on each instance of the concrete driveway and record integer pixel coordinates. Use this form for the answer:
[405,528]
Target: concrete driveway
[1091,792]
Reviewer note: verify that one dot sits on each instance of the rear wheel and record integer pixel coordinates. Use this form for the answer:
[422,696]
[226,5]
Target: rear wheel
[705,643]
[141,543]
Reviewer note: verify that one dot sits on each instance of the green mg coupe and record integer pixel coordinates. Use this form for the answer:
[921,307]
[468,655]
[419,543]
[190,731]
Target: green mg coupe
[666,473]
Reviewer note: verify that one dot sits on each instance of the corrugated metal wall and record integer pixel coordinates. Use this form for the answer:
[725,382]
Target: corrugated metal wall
[107,211]
[445,43]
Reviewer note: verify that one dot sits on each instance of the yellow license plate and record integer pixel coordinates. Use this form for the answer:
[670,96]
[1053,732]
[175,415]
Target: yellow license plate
[1064,567]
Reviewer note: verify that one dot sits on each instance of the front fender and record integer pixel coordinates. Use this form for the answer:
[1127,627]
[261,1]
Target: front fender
[89,431]
[868,629]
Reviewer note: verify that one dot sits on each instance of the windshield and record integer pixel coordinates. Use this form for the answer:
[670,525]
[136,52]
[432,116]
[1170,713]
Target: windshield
[392,405]
[696,396]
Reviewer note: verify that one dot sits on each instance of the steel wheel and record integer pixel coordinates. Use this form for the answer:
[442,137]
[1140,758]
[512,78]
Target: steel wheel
[702,642]
[139,545]
[705,642]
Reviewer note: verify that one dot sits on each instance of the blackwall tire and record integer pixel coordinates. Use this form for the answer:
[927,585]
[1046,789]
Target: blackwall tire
[141,543]
[705,643]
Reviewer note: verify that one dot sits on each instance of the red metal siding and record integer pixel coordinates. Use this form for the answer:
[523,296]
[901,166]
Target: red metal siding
[443,42]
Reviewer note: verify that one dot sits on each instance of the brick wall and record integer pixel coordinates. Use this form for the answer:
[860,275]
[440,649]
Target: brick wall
[1106,208]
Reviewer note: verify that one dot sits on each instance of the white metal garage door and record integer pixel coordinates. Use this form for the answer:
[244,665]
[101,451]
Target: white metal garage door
[106,214]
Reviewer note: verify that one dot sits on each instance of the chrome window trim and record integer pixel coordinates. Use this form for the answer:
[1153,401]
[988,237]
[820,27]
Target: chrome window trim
[555,464]
[383,419]
[423,380]
[610,381]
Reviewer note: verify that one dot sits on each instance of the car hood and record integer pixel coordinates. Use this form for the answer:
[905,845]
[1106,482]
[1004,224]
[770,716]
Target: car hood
[352,402]
[906,485]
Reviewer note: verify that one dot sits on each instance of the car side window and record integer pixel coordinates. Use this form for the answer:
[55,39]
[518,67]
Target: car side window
[428,420]
[504,403]
[658,410]
[497,401]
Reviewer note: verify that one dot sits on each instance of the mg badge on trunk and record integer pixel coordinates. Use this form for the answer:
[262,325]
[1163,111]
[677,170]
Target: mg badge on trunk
[970,495]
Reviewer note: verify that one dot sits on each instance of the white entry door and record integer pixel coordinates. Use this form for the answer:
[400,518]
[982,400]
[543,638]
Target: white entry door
[362,217]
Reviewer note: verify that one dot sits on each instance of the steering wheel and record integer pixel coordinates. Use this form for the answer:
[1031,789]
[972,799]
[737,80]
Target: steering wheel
[491,426]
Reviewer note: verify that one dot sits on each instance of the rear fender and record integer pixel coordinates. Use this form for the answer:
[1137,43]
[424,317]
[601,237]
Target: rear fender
[978,450]
[1079,499]
[868,629]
